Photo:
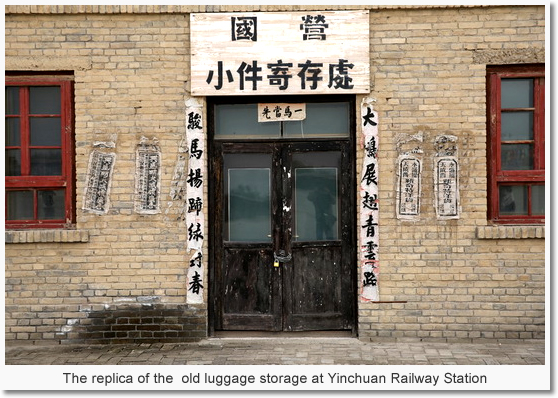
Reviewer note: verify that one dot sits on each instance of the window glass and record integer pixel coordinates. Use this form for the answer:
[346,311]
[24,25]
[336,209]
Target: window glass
[322,120]
[44,100]
[316,196]
[317,204]
[12,131]
[249,205]
[537,199]
[12,100]
[46,162]
[13,162]
[517,93]
[51,204]
[19,205]
[248,197]
[45,131]
[517,126]
[241,121]
[517,157]
[513,200]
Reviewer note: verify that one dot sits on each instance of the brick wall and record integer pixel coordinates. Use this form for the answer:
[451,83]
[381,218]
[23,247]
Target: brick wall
[121,276]
[458,279]
[130,75]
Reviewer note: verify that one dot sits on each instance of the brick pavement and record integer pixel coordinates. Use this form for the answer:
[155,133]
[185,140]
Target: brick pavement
[283,351]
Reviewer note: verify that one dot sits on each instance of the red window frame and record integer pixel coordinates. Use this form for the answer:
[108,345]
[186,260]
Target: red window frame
[27,182]
[496,176]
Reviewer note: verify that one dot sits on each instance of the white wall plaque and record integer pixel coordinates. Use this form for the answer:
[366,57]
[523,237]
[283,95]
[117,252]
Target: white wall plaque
[313,52]
[281,112]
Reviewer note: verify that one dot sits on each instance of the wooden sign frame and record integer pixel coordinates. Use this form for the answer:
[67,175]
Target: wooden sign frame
[314,52]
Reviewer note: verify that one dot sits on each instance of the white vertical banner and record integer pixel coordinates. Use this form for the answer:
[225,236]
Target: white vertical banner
[368,206]
[195,181]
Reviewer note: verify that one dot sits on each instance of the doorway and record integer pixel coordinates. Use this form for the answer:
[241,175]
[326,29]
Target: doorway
[282,195]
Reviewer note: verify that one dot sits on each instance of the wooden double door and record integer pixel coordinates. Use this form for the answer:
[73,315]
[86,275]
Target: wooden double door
[283,246]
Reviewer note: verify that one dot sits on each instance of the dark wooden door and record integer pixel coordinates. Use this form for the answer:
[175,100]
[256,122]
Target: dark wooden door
[282,216]
[284,242]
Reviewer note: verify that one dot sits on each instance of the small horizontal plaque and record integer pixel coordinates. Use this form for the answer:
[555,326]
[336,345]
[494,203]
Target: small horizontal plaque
[281,112]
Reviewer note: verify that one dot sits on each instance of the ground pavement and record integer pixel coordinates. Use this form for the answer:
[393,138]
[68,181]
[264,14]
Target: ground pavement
[283,351]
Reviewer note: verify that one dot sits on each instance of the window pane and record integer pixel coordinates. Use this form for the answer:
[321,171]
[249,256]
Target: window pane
[241,121]
[45,131]
[19,205]
[249,198]
[322,120]
[537,200]
[517,126]
[44,100]
[46,162]
[317,204]
[517,93]
[13,162]
[50,205]
[513,200]
[12,131]
[316,195]
[517,157]
[12,100]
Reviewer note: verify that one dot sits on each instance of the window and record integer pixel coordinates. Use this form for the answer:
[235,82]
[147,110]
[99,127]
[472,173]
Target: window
[39,151]
[516,144]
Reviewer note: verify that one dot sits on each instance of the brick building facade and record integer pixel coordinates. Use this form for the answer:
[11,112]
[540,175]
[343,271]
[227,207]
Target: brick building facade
[450,263]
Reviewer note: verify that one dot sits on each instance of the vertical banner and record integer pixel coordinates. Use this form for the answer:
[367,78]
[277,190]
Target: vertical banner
[195,223]
[368,206]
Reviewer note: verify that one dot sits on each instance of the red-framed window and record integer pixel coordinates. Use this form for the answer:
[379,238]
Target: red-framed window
[39,152]
[516,144]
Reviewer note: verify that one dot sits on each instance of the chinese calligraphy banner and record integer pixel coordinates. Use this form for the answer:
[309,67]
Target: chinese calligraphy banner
[369,206]
[195,221]
[317,52]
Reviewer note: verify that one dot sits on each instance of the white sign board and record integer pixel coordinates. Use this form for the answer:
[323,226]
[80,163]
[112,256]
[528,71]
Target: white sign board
[314,52]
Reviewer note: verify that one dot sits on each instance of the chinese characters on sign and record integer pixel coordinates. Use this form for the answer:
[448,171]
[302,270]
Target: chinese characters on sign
[446,177]
[148,178]
[314,27]
[446,187]
[369,209]
[244,28]
[238,53]
[409,186]
[310,75]
[195,222]
[281,112]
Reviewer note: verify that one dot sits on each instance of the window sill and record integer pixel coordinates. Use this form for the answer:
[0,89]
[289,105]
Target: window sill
[510,232]
[48,236]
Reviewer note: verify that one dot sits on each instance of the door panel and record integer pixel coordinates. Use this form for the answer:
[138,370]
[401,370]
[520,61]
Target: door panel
[250,296]
[250,292]
[318,283]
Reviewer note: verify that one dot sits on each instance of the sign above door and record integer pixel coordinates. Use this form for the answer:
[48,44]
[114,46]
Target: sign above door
[314,52]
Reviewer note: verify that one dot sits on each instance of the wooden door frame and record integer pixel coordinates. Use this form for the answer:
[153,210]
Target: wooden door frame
[214,171]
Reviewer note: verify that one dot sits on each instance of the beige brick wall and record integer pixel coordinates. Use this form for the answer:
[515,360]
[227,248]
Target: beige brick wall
[429,70]
[438,279]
